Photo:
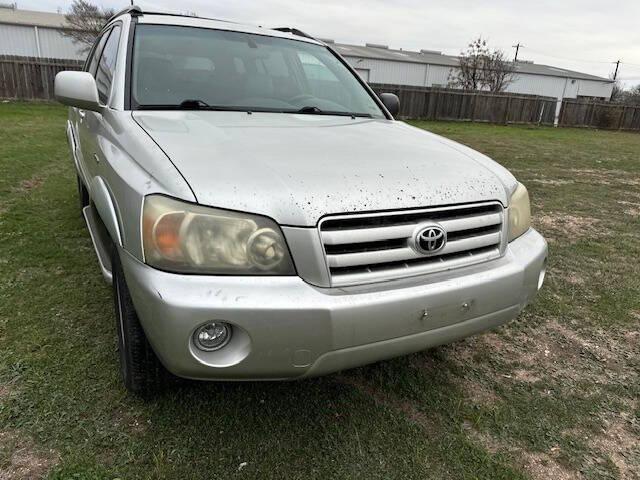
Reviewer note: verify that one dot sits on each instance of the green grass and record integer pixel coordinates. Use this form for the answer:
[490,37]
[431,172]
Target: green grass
[555,391]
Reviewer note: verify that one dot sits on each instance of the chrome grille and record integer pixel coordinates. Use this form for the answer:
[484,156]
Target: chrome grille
[365,248]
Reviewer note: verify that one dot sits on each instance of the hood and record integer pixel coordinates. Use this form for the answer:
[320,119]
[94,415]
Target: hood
[298,168]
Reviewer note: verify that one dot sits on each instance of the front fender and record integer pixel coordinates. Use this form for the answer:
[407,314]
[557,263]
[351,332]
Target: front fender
[106,209]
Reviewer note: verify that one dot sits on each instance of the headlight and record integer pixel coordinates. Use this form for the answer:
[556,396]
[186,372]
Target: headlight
[519,212]
[182,237]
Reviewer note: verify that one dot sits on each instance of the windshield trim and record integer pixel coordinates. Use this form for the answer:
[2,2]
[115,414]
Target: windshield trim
[133,104]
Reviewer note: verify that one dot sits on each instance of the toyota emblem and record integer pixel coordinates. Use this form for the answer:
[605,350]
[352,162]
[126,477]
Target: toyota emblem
[430,239]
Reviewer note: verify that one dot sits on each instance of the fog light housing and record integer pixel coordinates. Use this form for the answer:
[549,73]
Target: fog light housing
[212,336]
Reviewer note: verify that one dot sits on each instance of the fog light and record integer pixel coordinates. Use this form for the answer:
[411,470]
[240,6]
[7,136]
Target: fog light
[212,336]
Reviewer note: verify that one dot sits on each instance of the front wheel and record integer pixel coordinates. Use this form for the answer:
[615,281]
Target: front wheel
[141,371]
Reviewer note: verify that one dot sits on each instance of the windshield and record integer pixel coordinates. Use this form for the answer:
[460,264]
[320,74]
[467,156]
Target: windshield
[188,67]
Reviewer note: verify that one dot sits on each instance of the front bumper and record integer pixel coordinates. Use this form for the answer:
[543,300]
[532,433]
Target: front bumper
[285,328]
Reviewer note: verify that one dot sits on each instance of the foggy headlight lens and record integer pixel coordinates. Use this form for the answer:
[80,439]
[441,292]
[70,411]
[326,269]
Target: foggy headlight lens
[182,237]
[519,212]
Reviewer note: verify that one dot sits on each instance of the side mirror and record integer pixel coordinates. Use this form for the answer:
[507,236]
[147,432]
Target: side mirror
[77,89]
[391,102]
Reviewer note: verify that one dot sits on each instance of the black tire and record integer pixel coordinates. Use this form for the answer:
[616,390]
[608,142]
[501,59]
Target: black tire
[141,371]
[83,194]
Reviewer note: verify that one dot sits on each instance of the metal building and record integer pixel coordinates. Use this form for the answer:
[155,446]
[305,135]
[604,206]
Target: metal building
[428,68]
[35,34]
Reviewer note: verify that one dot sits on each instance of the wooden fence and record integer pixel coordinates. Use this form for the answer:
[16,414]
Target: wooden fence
[599,115]
[31,78]
[452,104]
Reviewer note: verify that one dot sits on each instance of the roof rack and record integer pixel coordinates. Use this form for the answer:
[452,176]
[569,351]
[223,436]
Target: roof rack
[294,31]
[132,9]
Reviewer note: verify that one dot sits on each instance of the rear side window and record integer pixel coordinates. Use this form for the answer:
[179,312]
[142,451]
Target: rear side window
[107,65]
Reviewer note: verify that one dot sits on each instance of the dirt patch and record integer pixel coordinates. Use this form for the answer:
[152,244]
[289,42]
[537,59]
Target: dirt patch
[382,398]
[27,185]
[630,208]
[5,391]
[543,466]
[567,276]
[21,460]
[524,376]
[621,446]
[569,227]
[477,393]
[551,182]
[130,422]
[606,177]
[538,465]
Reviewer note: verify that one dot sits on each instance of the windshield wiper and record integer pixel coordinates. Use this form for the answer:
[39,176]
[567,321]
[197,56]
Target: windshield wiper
[309,109]
[194,103]
[313,110]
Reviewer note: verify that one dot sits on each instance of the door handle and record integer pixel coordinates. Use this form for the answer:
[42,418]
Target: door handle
[96,158]
[81,113]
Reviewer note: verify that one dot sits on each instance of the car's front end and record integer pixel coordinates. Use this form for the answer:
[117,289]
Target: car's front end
[352,308]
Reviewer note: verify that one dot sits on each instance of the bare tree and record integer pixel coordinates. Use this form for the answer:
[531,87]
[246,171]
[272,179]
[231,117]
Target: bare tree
[498,71]
[469,75]
[482,68]
[632,96]
[84,22]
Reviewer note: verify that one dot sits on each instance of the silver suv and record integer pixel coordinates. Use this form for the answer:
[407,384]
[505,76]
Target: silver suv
[261,215]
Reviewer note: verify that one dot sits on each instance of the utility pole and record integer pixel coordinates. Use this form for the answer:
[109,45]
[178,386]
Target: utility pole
[615,74]
[517,47]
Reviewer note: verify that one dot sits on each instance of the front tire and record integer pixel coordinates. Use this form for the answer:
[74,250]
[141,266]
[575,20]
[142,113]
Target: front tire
[141,371]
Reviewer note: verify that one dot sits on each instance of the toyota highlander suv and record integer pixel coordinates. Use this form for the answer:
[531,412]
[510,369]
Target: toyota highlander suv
[262,216]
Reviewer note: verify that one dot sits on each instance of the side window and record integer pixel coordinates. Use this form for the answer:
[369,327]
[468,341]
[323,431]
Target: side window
[107,65]
[92,62]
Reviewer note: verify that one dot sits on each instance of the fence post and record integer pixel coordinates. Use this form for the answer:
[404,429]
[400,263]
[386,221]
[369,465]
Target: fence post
[506,111]
[436,101]
[621,120]
[474,99]
[542,104]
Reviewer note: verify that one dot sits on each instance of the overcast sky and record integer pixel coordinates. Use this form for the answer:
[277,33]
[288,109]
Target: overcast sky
[583,35]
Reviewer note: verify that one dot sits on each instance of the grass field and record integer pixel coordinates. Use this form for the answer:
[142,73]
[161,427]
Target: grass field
[552,395]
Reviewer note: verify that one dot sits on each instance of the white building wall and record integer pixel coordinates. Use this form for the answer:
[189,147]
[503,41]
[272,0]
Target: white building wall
[55,45]
[30,41]
[437,75]
[543,85]
[384,71]
[415,74]
[18,40]
[593,88]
